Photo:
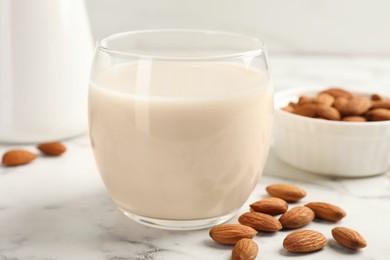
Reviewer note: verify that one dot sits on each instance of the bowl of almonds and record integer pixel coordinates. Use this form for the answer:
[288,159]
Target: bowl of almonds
[333,131]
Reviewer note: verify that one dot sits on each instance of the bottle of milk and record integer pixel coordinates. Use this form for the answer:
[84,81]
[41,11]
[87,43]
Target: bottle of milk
[45,50]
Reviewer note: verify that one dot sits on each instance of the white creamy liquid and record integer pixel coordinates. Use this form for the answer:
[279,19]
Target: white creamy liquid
[180,140]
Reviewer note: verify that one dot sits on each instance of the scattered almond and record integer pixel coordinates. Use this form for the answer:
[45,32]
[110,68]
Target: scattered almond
[296,217]
[230,234]
[260,221]
[52,149]
[302,241]
[286,192]
[376,97]
[271,206]
[327,211]
[245,249]
[18,157]
[348,238]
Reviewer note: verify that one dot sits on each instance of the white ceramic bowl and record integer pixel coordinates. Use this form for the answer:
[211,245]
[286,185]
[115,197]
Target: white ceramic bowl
[348,149]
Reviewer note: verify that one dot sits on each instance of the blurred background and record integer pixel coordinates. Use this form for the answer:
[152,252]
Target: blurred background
[348,27]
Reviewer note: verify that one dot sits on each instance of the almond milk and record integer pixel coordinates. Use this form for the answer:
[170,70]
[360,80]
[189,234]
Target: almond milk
[180,141]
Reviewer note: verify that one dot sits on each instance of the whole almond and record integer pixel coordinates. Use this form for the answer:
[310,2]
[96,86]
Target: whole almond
[328,112]
[271,206]
[376,97]
[358,105]
[288,108]
[302,241]
[230,234]
[325,99]
[296,217]
[348,238]
[286,192]
[381,104]
[378,114]
[305,100]
[245,249]
[341,104]
[18,157]
[354,119]
[52,149]
[308,109]
[260,221]
[338,92]
[327,211]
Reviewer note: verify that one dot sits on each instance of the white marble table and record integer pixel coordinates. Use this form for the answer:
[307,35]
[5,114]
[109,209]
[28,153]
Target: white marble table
[57,208]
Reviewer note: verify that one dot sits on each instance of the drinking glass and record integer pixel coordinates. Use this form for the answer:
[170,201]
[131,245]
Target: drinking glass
[180,123]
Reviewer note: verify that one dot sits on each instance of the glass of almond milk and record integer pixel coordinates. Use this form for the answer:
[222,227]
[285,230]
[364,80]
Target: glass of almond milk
[180,123]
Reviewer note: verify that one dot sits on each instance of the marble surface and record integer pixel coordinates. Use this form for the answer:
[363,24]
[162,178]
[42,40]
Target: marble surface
[57,208]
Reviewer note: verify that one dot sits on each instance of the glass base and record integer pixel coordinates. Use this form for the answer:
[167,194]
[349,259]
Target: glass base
[178,224]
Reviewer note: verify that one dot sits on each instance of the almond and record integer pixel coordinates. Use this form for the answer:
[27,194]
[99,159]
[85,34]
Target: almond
[348,238]
[327,211]
[353,107]
[302,241]
[305,100]
[309,110]
[260,221]
[378,114]
[271,206]
[288,108]
[328,112]
[325,99]
[338,92]
[381,104]
[245,249]
[230,234]
[354,119]
[297,217]
[52,149]
[18,157]
[286,192]
[376,97]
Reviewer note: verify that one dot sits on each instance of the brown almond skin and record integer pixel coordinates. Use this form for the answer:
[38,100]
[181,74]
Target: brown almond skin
[381,104]
[271,206]
[325,99]
[297,217]
[230,234]
[245,249]
[327,211]
[354,106]
[328,112]
[354,119]
[376,97]
[338,92]
[303,241]
[52,149]
[308,110]
[18,157]
[305,100]
[260,221]
[378,114]
[288,108]
[286,192]
[348,238]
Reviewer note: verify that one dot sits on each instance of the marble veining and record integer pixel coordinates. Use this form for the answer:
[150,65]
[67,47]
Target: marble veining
[57,208]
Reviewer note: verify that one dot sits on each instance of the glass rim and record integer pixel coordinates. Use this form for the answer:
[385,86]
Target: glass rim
[260,48]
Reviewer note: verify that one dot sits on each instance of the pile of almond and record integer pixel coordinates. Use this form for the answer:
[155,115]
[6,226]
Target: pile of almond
[261,218]
[18,157]
[341,105]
